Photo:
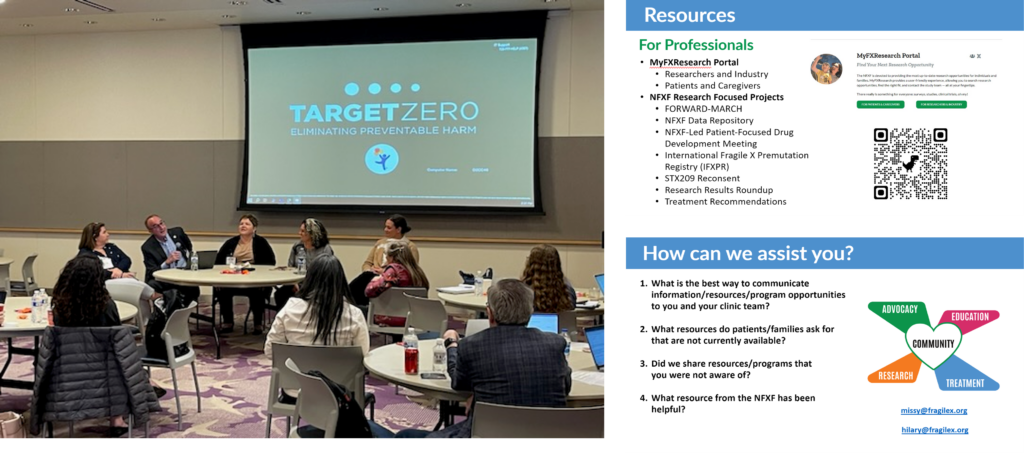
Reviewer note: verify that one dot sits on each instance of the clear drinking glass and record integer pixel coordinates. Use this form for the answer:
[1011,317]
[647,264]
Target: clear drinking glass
[231,262]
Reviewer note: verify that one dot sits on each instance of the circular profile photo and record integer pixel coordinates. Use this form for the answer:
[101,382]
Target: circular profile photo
[826,69]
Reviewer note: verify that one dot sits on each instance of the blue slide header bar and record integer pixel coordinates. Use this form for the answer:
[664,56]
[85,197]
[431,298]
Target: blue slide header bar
[825,253]
[847,15]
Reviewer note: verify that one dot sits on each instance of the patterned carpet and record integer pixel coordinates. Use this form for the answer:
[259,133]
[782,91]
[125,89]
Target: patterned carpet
[234,393]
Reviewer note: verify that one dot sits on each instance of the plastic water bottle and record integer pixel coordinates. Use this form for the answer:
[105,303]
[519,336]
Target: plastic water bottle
[478,284]
[37,305]
[44,305]
[568,341]
[194,259]
[412,351]
[440,356]
[300,260]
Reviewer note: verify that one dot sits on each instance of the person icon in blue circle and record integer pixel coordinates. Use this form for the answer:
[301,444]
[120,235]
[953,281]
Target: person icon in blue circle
[381,158]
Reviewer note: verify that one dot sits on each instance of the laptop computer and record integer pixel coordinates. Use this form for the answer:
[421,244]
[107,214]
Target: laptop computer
[600,282]
[207,258]
[595,336]
[546,322]
[476,325]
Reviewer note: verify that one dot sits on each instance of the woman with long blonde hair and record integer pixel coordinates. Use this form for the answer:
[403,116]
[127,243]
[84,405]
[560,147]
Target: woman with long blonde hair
[401,271]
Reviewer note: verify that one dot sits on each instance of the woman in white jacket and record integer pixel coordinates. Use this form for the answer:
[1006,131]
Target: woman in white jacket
[321,312]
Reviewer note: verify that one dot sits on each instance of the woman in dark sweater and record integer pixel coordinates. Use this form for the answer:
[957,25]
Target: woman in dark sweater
[247,247]
[80,299]
[94,242]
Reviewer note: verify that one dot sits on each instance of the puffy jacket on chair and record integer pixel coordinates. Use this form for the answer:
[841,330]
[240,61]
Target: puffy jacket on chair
[90,372]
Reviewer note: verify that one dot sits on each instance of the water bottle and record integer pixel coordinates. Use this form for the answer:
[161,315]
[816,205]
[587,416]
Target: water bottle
[568,341]
[440,357]
[44,305]
[194,259]
[300,260]
[37,306]
[478,284]
[412,351]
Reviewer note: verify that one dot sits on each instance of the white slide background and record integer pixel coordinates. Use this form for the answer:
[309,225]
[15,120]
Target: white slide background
[985,146]
[849,414]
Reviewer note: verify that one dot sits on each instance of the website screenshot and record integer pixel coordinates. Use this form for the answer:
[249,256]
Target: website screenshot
[800,108]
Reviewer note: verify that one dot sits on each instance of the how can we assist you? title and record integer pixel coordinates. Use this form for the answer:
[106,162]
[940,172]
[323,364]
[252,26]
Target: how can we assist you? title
[787,254]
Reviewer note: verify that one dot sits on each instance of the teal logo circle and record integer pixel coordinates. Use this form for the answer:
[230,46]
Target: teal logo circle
[381,158]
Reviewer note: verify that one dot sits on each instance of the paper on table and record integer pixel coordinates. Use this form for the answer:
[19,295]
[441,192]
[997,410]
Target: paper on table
[461,289]
[589,377]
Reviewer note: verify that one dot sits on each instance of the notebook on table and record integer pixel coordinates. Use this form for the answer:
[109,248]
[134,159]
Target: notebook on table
[595,337]
[546,322]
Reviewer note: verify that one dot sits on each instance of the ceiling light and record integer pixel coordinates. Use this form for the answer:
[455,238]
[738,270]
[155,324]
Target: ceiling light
[380,8]
[463,5]
[71,10]
[158,19]
[303,13]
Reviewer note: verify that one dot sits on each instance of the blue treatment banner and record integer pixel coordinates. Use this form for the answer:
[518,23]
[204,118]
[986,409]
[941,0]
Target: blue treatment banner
[825,253]
[802,15]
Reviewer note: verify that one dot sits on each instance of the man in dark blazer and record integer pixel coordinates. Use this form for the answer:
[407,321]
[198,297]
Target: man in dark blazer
[507,363]
[166,248]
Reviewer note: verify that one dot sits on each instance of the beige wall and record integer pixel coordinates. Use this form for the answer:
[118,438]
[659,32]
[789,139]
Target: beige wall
[441,261]
[188,84]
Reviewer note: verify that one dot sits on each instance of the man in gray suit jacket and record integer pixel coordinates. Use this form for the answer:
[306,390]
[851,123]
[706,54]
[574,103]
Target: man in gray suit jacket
[507,363]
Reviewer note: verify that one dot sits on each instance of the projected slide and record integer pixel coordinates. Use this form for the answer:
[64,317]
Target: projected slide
[412,124]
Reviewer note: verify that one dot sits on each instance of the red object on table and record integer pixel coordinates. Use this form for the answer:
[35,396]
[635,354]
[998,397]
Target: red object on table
[412,360]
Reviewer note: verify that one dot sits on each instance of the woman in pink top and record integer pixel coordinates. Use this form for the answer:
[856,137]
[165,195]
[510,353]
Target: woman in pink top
[402,271]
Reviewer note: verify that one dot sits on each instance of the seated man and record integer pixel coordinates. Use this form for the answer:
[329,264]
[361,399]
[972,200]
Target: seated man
[165,250]
[508,363]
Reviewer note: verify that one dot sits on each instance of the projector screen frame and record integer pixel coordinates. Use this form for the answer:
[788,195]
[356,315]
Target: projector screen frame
[462,27]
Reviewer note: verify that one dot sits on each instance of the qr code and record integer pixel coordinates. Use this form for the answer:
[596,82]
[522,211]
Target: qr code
[911,164]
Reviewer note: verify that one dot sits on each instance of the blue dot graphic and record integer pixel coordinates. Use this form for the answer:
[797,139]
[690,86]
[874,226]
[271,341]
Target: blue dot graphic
[396,87]
[352,89]
[415,87]
[374,88]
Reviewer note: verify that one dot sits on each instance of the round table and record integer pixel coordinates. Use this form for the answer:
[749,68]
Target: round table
[263,276]
[14,327]
[388,363]
[479,303]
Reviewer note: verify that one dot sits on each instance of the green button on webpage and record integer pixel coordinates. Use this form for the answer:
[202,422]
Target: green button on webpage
[941,104]
[879,104]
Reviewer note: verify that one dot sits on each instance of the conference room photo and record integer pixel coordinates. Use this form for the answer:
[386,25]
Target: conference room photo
[301,219]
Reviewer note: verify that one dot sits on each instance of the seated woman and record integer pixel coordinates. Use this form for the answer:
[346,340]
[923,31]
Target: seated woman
[247,247]
[321,313]
[80,299]
[552,292]
[402,271]
[395,228]
[313,242]
[94,242]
